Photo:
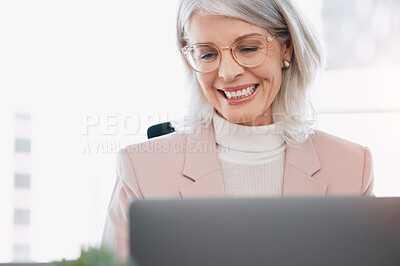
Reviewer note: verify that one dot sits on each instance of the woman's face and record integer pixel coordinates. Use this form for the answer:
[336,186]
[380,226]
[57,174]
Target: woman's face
[252,110]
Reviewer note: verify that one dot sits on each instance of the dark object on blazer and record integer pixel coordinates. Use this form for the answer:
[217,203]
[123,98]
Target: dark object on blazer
[159,130]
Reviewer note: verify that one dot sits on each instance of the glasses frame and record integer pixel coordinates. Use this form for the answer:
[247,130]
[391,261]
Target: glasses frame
[186,49]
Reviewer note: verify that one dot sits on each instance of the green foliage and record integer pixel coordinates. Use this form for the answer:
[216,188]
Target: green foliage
[93,257]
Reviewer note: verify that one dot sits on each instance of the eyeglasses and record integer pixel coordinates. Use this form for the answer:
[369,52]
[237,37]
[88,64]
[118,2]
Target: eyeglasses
[247,52]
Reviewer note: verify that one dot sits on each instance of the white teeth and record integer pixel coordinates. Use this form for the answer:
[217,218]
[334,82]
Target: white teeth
[240,93]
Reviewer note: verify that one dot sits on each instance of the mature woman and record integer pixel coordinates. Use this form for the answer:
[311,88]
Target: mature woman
[250,64]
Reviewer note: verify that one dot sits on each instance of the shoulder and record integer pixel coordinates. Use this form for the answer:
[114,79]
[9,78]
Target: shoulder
[164,152]
[328,143]
[329,149]
[337,150]
[154,167]
[160,146]
[344,162]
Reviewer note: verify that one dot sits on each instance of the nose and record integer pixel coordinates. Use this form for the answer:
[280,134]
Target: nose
[229,69]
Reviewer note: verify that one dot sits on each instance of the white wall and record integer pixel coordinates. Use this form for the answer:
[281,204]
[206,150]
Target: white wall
[65,61]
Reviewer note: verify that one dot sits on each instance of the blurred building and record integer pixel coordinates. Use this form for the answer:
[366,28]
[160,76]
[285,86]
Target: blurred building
[21,246]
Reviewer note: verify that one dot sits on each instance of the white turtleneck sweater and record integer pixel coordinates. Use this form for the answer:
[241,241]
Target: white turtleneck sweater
[251,158]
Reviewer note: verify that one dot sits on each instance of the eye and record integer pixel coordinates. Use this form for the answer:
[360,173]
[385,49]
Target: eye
[249,46]
[208,56]
[206,53]
[248,49]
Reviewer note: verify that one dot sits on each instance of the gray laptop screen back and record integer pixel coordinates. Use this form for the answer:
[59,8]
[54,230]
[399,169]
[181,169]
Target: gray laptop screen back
[289,231]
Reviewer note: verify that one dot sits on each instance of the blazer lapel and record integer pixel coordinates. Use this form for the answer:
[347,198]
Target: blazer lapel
[202,166]
[301,164]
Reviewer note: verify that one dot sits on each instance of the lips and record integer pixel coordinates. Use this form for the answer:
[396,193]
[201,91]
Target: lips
[239,94]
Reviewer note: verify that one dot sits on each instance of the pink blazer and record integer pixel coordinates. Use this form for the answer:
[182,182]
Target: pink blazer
[187,166]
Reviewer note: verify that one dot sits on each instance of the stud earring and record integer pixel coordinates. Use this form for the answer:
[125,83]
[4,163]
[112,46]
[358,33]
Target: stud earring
[286,64]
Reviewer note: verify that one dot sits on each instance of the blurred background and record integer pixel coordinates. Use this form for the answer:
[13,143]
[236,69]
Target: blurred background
[80,79]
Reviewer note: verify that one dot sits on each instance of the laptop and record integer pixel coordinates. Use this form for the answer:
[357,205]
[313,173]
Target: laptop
[280,231]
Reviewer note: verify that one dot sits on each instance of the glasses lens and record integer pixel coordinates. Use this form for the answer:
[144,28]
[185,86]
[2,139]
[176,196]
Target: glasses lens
[203,57]
[250,51]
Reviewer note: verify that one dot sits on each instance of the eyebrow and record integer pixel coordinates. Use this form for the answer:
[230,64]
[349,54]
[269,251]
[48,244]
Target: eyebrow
[238,38]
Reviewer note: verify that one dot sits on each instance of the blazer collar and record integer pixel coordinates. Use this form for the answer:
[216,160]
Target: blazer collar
[301,163]
[202,166]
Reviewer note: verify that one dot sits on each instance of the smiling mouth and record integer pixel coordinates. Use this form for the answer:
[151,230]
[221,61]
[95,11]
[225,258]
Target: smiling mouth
[238,94]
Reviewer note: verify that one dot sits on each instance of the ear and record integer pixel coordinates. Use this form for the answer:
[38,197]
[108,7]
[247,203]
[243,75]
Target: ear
[287,50]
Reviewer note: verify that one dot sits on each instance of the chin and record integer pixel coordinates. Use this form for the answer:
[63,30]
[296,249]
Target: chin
[240,118]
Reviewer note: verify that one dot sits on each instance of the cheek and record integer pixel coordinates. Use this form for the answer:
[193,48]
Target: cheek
[271,78]
[205,81]
[270,71]
[268,74]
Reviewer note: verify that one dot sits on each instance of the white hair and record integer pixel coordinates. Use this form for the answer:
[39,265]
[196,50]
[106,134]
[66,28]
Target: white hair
[292,111]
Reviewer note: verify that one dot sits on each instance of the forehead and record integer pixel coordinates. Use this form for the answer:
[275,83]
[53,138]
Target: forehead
[220,30]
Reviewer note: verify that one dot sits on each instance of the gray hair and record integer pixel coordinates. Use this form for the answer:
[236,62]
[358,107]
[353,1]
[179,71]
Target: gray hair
[292,111]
